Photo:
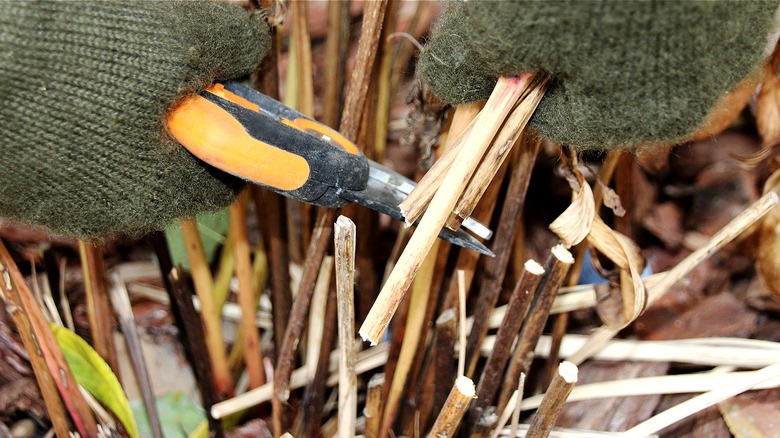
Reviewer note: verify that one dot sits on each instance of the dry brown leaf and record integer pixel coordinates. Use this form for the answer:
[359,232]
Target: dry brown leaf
[768,103]
[768,256]
[748,418]
[573,225]
[625,255]
[612,200]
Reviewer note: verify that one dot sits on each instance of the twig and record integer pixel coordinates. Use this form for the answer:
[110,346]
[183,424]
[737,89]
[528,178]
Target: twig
[201,278]
[461,323]
[344,230]
[314,397]
[495,268]
[373,410]
[273,219]
[700,402]
[253,357]
[444,350]
[357,89]
[552,403]
[501,101]
[124,310]
[98,306]
[732,230]
[499,150]
[516,410]
[316,327]
[515,314]
[300,308]
[537,317]
[335,57]
[303,63]
[455,407]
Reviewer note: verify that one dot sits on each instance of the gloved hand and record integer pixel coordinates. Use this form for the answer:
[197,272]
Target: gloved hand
[85,88]
[625,73]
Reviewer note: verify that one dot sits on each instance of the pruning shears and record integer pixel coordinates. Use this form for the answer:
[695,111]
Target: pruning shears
[254,137]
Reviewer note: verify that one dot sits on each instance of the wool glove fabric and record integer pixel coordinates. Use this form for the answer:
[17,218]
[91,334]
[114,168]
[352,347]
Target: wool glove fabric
[85,88]
[625,73]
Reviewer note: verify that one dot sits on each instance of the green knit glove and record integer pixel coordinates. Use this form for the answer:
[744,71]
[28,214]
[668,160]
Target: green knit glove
[85,86]
[625,73]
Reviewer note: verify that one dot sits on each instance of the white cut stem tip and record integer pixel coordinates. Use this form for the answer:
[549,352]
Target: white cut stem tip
[367,338]
[563,254]
[466,386]
[568,371]
[534,267]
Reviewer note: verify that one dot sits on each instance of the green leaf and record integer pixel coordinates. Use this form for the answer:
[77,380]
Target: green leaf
[213,228]
[94,374]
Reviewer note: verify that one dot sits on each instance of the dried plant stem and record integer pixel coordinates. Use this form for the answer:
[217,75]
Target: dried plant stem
[300,308]
[43,377]
[202,280]
[357,89]
[537,317]
[380,106]
[21,304]
[700,402]
[495,268]
[314,397]
[303,63]
[516,410]
[413,331]
[273,218]
[253,357]
[455,407]
[500,103]
[98,305]
[732,230]
[444,349]
[373,410]
[461,323]
[560,388]
[190,327]
[517,308]
[335,56]
[495,155]
[344,231]
[316,327]
[124,310]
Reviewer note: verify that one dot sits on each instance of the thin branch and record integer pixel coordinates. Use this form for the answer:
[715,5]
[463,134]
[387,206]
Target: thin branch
[344,230]
[455,408]
[552,403]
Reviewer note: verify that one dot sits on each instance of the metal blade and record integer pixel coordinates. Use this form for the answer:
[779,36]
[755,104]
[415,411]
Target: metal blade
[385,191]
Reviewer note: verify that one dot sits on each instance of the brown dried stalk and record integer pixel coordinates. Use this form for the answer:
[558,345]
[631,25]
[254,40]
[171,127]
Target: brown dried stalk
[253,357]
[373,410]
[303,81]
[98,305]
[300,309]
[314,397]
[191,331]
[344,230]
[335,56]
[357,90]
[558,267]
[444,350]
[272,218]
[495,268]
[516,310]
[501,101]
[455,407]
[552,403]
